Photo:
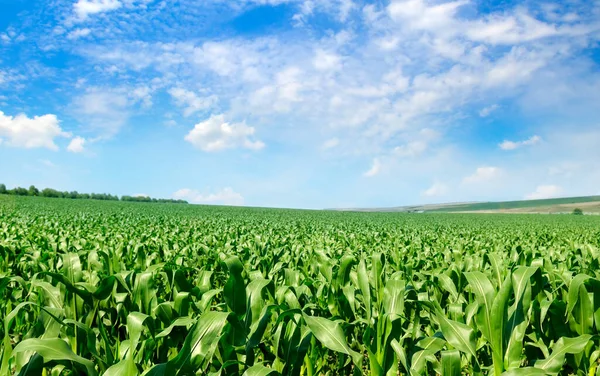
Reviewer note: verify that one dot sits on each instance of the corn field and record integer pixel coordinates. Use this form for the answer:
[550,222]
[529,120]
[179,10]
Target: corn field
[110,288]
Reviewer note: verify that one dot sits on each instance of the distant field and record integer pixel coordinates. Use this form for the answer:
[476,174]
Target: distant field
[589,205]
[554,205]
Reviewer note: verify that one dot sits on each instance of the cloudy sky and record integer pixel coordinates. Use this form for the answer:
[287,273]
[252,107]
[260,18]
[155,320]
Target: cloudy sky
[302,103]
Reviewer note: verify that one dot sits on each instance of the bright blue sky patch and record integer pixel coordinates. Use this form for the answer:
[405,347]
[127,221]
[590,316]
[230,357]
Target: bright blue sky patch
[302,103]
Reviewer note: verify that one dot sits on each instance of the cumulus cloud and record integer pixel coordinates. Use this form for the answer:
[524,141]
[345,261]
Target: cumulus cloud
[437,189]
[84,8]
[544,191]
[375,168]
[216,134]
[37,132]
[483,174]
[225,196]
[76,145]
[191,101]
[512,145]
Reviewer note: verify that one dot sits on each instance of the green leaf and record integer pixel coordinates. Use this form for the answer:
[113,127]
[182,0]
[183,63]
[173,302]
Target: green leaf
[260,370]
[499,319]
[393,298]
[34,367]
[365,289]
[200,344]
[124,367]
[234,290]
[447,284]
[400,353]
[458,334]
[527,371]
[182,321]
[330,335]
[429,346]
[54,349]
[517,323]
[574,288]
[451,365]
[484,293]
[554,363]
[255,301]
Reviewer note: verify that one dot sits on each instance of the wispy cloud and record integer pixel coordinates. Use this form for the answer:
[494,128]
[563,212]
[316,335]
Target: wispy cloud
[225,196]
[487,111]
[512,145]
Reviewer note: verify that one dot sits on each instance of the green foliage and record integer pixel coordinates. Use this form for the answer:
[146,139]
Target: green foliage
[49,192]
[114,288]
[577,211]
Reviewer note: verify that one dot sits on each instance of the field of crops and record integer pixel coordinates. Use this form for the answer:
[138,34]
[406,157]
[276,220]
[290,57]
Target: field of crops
[117,288]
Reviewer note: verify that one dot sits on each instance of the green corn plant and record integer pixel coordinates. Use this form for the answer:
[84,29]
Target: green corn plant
[122,288]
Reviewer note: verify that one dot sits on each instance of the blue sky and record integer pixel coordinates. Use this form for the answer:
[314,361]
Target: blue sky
[302,103]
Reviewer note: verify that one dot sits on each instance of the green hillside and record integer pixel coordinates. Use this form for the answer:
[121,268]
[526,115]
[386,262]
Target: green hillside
[515,204]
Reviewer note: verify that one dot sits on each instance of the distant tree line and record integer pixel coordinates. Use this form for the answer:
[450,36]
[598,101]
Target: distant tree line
[49,192]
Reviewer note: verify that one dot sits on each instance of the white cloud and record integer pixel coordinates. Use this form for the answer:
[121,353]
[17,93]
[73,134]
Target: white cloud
[412,149]
[84,8]
[191,101]
[508,29]
[331,143]
[483,174]
[417,14]
[512,145]
[225,196]
[79,33]
[326,60]
[437,189]
[99,102]
[76,145]
[107,110]
[415,63]
[544,191]
[36,132]
[486,111]
[375,168]
[216,134]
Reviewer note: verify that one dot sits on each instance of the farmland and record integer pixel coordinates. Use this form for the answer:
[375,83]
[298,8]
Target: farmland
[124,288]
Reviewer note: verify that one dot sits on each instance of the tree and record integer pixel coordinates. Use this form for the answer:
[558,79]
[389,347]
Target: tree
[577,211]
[2,189]
[33,191]
[19,191]
[49,192]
